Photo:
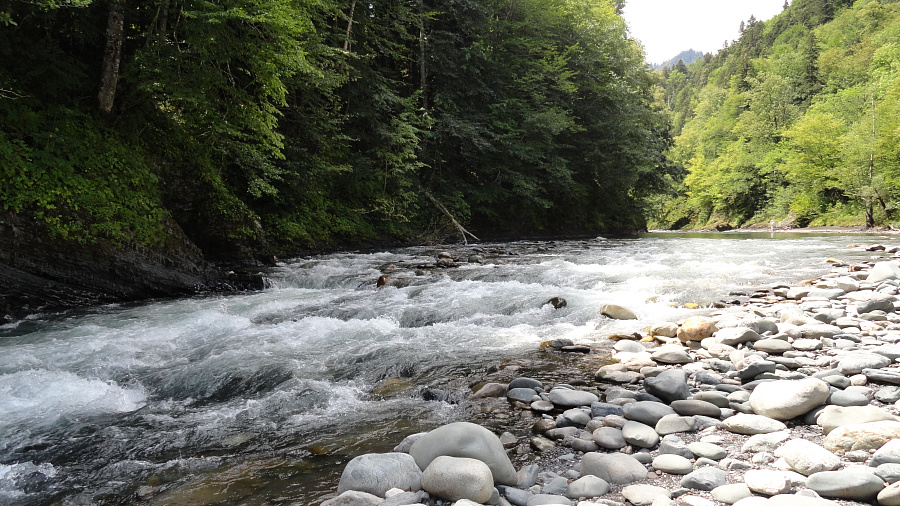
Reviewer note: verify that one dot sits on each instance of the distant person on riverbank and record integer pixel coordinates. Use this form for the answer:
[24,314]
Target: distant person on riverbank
[772,225]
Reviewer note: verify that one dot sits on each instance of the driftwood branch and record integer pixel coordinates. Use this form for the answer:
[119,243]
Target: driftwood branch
[444,210]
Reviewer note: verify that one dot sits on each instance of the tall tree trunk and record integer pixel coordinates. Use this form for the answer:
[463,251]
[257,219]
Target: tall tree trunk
[349,26]
[422,75]
[112,57]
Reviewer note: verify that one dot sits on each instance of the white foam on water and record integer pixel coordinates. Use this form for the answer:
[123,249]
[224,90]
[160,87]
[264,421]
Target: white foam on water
[42,397]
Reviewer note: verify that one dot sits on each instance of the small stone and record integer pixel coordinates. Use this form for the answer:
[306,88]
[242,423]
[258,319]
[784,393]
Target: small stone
[614,468]
[673,464]
[646,412]
[691,407]
[542,499]
[587,486]
[833,417]
[767,482]
[353,498]
[888,472]
[765,442]
[641,435]
[707,450]
[571,398]
[609,438]
[696,328]
[671,424]
[807,458]
[704,478]
[730,494]
[670,385]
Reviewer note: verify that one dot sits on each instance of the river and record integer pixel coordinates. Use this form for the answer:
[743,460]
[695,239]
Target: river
[260,398]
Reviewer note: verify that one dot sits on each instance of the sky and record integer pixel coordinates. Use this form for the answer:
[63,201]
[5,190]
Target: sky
[668,27]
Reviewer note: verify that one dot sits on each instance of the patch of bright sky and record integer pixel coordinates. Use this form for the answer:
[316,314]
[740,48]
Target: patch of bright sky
[668,27]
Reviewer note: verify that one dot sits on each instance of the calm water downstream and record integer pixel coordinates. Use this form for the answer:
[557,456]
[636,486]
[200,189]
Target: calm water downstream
[260,398]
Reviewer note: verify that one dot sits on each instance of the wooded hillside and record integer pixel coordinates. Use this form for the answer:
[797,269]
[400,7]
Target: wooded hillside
[273,125]
[798,121]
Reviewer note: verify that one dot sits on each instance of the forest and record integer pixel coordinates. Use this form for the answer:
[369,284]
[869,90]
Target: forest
[273,126]
[798,121]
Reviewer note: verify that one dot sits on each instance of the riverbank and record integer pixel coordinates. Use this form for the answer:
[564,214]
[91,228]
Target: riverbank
[790,391]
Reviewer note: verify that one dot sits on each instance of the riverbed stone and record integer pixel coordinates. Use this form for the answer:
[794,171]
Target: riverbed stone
[672,354]
[707,450]
[610,438]
[673,464]
[786,399]
[671,424]
[807,458]
[587,486]
[454,478]
[644,495]
[882,271]
[887,454]
[646,412]
[748,424]
[853,484]
[855,362]
[614,468]
[864,436]
[733,336]
[525,382]
[767,481]
[664,329]
[798,499]
[380,472]
[670,385]
[890,495]
[819,331]
[705,478]
[730,494]
[890,472]
[617,312]
[524,395]
[690,407]
[638,434]
[773,346]
[465,440]
[566,398]
[353,498]
[847,398]
[547,499]
[833,417]
[889,375]
[696,328]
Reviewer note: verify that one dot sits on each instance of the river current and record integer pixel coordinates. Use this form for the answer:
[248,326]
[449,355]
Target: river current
[260,398]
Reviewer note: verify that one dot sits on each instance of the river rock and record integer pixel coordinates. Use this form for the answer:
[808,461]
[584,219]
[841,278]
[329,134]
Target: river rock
[755,368]
[847,398]
[890,496]
[807,458]
[767,482]
[864,436]
[818,331]
[705,478]
[855,362]
[671,424]
[890,473]
[853,484]
[665,329]
[707,450]
[733,336]
[566,398]
[887,375]
[752,424]
[882,271]
[378,473]
[523,382]
[765,442]
[353,498]
[491,390]
[670,385]
[730,494]
[465,440]
[454,478]
[547,499]
[833,417]
[587,486]
[673,464]
[610,438]
[773,346]
[644,495]
[524,395]
[614,468]
[786,399]
[798,500]
[638,434]
[646,412]
[696,328]
[617,312]
[691,407]
[671,354]
[885,304]
[887,454]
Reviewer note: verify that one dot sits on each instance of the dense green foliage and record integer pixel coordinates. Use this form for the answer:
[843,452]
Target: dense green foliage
[273,125]
[797,121]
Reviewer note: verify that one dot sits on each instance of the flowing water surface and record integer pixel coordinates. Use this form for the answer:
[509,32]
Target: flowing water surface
[260,398]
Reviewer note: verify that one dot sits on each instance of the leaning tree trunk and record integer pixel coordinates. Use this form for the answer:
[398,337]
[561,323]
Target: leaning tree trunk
[112,57]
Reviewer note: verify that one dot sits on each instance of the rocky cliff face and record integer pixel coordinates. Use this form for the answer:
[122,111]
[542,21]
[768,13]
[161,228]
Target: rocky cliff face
[41,273]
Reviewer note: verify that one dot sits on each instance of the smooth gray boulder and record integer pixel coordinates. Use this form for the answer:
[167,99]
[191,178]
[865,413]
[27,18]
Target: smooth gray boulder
[379,472]
[887,454]
[730,494]
[454,478]
[465,440]
[525,395]
[767,481]
[617,312]
[882,271]
[853,484]
[542,499]
[671,424]
[609,438]
[638,434]
[733,336]
[786,399]
[565,398]
[673,464]
[670,385]
[353,498]
[705,478]
[646,412]
[614,468]
[587,486]
[856,361]
[707,450]
[692,407]
[890,496]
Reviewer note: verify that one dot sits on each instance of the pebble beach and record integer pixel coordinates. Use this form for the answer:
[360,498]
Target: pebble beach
[776,394]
